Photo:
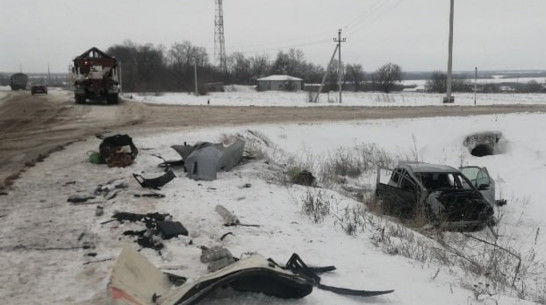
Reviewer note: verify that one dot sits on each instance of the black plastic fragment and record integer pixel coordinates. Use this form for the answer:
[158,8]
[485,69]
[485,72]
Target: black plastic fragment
[79,199]
[155,183]
[170,229]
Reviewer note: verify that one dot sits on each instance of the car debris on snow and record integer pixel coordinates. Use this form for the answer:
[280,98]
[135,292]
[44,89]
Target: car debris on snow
[203,160]
[134,280]
[229,218]
[156,225]
[157,182]
[117,150]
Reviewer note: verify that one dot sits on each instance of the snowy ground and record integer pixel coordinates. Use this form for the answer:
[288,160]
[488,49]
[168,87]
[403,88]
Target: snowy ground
[42,261]
[245,96]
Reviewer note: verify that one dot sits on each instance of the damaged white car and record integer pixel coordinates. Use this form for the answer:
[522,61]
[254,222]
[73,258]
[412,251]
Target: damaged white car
[448,197]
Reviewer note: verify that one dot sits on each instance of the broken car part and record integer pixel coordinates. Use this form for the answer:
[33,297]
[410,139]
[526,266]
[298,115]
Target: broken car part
[204,160]
[135,280]
[118,150]
[155,183]
[229,218]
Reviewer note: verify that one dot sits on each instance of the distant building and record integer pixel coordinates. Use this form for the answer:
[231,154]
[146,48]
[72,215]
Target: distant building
[280,83]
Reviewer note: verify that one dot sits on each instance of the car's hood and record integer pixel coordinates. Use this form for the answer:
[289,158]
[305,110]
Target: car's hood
[460,205]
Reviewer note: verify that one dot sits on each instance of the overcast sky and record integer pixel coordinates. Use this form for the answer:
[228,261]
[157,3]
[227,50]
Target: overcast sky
[489,34]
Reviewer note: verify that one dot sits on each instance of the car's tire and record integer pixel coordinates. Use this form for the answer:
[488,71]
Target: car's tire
[112,98]
[79,99]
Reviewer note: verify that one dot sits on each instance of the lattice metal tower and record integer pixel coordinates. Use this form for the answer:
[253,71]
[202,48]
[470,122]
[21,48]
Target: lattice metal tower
[219,41]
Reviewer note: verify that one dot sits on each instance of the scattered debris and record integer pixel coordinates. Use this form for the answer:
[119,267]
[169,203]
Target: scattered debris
[99,261]
[155,183]
[150,218]
[99,211]
[217,257]
[135,280]
[3,193]
[150,195]
[229,218]
[94,157]
[176,280]
[204,159]
[170,163]
[105,190]
[156,224]
[118,150]
[170,229]
[75,199]
[226,235]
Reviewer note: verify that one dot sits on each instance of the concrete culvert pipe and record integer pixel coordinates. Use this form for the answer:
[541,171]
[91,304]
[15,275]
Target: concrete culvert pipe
[484,144]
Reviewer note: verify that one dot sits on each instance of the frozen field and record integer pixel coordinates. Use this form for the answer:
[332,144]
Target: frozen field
[245,96]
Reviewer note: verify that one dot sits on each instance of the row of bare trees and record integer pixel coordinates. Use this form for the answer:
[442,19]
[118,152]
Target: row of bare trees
[149,68]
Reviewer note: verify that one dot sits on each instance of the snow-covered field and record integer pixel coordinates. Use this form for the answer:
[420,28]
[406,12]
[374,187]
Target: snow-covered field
[244,96]
[42,261]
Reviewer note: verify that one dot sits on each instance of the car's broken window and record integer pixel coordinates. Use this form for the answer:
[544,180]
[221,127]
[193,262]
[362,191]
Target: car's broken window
[482,178]
[406,182]
[435,181]
[395,176]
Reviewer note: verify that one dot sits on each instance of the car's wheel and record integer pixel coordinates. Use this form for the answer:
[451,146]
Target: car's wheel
[112,98]
[79,99]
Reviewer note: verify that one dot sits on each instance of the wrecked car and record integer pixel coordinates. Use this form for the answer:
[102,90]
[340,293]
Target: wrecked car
[446,196]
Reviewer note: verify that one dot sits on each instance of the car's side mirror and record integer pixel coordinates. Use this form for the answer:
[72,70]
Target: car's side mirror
[482,187]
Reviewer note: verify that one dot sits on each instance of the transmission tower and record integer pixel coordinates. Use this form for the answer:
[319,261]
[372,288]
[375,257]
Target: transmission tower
[219,41]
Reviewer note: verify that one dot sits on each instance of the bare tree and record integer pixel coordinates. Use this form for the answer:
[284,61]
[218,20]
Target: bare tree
[239,68]
[259,66]
[386,76]
[185,54]
[438,83]
[355,74]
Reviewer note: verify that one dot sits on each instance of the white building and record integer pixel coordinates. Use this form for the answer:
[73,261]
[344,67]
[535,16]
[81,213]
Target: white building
[280,83]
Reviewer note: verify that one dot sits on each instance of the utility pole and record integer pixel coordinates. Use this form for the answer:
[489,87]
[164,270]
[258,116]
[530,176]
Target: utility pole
[475,83]
[339,40]
[450,52]
[120,77]
[315,99]
[195,77]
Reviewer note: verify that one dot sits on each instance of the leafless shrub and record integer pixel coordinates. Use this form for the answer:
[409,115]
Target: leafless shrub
[490,255]
[316,205]
[351,219]
[347,163]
